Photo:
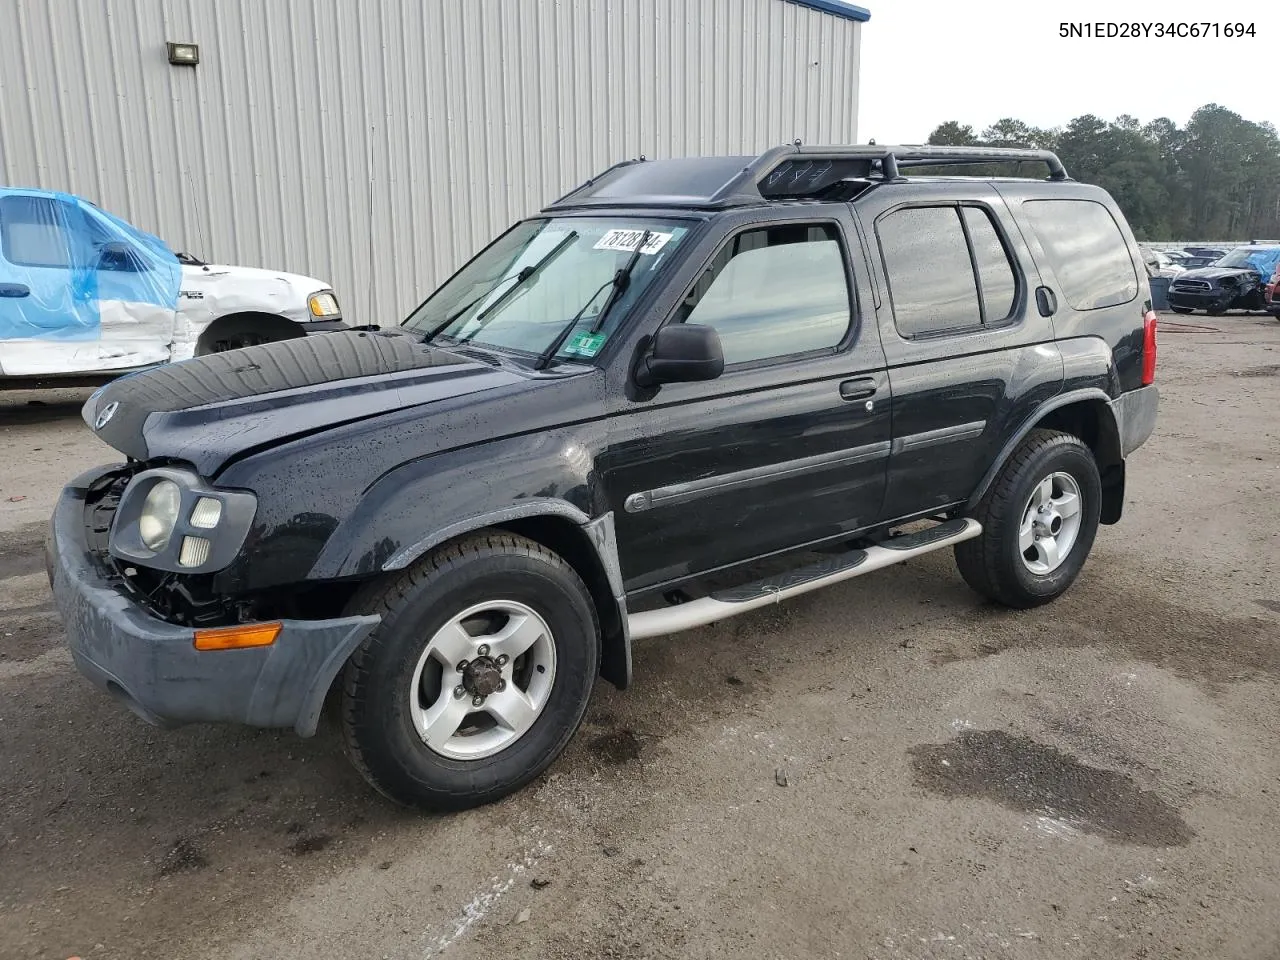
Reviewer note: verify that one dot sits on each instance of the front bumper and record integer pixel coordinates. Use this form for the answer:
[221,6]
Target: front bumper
[154,667]
[1208,300]
[324,326]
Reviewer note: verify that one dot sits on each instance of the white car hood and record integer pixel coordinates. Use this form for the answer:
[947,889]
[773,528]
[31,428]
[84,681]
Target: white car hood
[302,286]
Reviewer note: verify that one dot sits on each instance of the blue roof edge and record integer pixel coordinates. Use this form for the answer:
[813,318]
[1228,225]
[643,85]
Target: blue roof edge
[837,8]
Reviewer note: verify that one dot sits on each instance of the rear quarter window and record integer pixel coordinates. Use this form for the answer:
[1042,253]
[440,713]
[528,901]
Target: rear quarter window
[1086,251]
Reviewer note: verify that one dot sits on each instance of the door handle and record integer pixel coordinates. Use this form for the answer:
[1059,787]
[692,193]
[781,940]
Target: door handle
[14,290]
[1046,302]
[858,389]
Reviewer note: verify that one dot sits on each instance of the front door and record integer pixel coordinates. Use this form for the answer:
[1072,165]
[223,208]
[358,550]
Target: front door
[789,445]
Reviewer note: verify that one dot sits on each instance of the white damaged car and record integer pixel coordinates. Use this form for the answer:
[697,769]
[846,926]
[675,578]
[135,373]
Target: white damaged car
[85,296]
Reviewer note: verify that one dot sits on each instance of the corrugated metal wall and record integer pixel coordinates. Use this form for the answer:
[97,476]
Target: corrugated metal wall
[378,143]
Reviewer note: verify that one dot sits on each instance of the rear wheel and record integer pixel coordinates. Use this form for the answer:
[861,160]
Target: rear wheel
[1182,309]
[477,677]
[1039,520]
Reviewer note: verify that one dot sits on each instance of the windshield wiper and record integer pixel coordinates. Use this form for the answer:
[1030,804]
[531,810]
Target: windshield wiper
[621,280]
[520,279]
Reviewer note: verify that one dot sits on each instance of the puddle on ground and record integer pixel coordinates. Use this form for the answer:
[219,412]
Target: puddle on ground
[1031,777]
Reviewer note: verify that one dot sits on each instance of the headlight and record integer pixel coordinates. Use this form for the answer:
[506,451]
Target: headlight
[169,518]
[159,515]
[324,305]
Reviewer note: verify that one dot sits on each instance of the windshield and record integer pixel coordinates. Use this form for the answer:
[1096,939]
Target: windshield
[519,294]
[1264,261]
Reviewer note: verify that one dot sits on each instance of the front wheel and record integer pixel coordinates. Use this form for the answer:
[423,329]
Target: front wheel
[477,677]
[1039,520]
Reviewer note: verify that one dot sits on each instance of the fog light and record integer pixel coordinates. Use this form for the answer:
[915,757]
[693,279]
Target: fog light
[195,551]
[207,513]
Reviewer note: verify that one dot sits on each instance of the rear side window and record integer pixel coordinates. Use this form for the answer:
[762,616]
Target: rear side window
[999,287]
[33,232]
[948,269]
[1086,250]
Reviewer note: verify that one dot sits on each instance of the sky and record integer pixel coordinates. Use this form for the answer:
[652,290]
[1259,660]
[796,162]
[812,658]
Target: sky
[927,61]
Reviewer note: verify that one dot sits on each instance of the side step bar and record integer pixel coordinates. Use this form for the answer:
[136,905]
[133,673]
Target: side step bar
[751,596]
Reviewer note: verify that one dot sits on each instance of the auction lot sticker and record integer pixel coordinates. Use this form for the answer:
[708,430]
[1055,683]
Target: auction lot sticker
[625,241]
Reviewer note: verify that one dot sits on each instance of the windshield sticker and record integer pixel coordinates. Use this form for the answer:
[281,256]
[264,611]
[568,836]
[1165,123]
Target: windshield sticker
[625,241]
[585,343]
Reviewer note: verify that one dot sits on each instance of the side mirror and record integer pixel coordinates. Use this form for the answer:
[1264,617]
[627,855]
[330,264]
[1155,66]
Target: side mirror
[681,353]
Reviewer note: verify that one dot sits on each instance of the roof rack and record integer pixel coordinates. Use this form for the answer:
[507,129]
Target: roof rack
[791,172]
[798,171]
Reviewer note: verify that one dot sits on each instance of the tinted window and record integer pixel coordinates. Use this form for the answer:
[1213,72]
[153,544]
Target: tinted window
[32,232]
[1086,251]
[931,281]
[999,288]
[774,292]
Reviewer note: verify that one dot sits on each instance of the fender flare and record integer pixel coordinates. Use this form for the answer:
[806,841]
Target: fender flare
[544,507]
[615,643]
[1053,403]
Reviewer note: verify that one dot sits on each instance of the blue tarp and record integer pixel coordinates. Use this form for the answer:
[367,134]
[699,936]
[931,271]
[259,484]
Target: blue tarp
[1265,261]
[61,258]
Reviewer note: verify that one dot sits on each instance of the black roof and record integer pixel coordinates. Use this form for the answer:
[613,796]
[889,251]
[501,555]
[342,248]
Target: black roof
[784,173]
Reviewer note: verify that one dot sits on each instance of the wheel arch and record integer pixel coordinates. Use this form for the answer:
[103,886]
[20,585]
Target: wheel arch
[277,326]
[1089,415]
[587,545]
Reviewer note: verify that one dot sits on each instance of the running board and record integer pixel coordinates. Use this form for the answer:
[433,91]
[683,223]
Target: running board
[750,596]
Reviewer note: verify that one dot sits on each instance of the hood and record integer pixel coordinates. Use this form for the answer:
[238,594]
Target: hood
[304,286]
[211,409]
[1218,273]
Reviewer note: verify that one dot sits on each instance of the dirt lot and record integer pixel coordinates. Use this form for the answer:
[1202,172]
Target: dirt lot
[1098,779]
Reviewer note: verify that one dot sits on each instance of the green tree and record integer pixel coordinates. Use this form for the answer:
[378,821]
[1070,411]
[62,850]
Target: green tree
[1219,178]
[953,134]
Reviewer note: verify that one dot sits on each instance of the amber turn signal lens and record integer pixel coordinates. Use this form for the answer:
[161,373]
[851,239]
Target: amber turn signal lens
[235,638]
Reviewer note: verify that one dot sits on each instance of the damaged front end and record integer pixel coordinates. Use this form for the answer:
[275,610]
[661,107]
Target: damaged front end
[167,643]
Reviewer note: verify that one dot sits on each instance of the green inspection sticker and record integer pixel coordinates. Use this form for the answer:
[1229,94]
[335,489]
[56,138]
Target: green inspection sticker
[585,343]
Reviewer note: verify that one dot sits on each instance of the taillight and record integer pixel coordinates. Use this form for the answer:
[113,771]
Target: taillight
[1149,348]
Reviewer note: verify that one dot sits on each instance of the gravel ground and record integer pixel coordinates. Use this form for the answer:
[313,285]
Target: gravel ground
[1096,779]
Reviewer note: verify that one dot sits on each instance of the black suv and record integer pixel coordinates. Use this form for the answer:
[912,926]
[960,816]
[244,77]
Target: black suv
[805,362]
[1237,281]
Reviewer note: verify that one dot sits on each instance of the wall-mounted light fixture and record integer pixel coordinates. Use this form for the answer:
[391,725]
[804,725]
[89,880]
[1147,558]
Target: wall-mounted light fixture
[184,54]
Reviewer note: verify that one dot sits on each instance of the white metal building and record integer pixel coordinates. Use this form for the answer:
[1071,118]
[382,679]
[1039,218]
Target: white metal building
[379,143]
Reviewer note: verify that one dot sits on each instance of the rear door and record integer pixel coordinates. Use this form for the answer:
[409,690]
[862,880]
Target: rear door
[968,352]
[790,444]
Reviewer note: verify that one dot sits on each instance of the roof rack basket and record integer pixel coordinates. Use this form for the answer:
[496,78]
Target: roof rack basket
[813,168]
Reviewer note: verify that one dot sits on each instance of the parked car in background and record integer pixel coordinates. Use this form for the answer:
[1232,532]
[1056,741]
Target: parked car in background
[1179,257]
[1235,282]
[1213,253]
[1271,294]
[1160,264]
[85,296]
[1192,262]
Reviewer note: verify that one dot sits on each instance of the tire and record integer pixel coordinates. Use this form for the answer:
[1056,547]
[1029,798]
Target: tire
[236,342]
[993,563]
[1182,309]
[385,704]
